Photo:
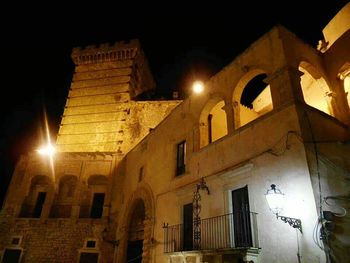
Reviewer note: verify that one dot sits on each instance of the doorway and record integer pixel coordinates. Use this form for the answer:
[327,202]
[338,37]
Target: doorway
[11,255]
[136,234]
[188,227]
[241,217]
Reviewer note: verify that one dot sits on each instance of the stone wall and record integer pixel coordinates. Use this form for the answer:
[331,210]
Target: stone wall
[54,240]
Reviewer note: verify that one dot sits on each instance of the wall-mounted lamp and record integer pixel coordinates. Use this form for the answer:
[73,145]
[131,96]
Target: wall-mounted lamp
[275,199]
[115,243]
[198,87]
[47,150]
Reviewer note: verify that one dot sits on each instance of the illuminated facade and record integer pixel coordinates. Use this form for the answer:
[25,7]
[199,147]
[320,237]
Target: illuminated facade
[185,181]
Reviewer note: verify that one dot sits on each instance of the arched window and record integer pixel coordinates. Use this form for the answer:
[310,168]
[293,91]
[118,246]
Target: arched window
[315,89]
[34,202]
[94,198]
[252,99]
[213,123]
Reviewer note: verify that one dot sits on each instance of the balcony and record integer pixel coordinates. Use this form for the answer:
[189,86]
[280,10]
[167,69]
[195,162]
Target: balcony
[234,231]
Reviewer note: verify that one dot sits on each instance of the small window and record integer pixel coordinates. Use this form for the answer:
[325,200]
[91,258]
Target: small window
[91,244]
[15,241]
[181,158]
[210,128]
[141,173]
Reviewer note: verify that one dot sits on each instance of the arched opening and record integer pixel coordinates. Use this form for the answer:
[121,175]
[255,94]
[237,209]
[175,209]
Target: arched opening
[315,89]
[212,123]
[33,203]
[64,198]
[136,233]
[94,197]
[140,209]
[252,99]
[347,88]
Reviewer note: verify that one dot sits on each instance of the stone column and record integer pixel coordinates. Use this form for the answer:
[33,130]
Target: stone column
[285,86]
[236,114]
[338,101]
[228,108]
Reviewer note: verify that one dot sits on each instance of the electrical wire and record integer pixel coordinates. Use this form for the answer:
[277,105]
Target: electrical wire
[323,234]
[315,236]
[335,205]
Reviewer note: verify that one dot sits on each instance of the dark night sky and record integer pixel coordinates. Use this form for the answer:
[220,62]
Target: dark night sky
[181,42]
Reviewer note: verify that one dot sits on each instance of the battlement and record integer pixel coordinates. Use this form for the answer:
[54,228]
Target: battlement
[121,50]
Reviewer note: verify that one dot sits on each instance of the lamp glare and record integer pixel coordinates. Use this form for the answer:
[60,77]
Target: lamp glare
[198,87]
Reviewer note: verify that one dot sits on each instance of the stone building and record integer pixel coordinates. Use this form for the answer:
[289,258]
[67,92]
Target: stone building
[185,181]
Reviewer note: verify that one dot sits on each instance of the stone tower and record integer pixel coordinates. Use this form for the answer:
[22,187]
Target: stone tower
[105,85]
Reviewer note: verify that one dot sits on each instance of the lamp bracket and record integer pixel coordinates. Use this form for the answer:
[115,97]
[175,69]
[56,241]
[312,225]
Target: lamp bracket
[293,222]
[202,185]
[114,242]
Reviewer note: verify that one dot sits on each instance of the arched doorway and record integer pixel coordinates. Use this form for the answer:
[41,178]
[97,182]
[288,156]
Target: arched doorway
[136,229]
[136,233]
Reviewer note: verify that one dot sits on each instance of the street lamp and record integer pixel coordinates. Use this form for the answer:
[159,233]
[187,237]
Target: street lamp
[48,150]
[275,200]
[198,87]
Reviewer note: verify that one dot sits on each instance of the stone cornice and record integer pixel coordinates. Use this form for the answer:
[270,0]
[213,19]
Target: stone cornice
[106,52]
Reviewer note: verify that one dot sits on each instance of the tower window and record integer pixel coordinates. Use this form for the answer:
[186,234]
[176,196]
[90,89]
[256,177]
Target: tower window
[97,205]
[141,173]
[15,241]
[181,158]
[39,204]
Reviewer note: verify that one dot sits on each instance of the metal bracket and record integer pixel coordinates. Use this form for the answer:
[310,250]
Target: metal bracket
[293,222]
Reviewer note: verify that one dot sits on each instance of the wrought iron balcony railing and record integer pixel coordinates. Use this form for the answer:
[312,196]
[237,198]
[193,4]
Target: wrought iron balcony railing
[235,230]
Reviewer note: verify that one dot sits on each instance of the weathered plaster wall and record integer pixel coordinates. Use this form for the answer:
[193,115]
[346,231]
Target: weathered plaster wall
[217,162]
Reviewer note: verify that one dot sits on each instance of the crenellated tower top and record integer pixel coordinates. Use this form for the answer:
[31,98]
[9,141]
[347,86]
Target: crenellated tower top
[121,50]
[107,78]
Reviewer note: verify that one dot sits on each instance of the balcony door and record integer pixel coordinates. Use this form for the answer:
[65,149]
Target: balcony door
[241,218]
[188,227]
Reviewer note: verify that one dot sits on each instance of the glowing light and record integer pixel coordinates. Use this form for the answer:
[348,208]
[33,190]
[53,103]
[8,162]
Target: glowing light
[48,150]
[198,87]
[275,199]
